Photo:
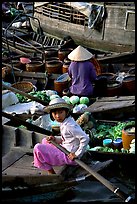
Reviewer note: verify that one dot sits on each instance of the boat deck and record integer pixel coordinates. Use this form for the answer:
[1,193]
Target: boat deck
[18,162]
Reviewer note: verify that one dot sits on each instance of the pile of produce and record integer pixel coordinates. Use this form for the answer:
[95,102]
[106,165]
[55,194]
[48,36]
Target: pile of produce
[108,131]
[79,103]
[104,131]
[99,131]
[39,94]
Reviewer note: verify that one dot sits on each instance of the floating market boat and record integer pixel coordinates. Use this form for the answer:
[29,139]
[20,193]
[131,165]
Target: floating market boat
[102,26]
[22,181]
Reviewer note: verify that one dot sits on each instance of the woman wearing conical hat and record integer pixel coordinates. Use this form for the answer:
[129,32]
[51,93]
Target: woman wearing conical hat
[82,72]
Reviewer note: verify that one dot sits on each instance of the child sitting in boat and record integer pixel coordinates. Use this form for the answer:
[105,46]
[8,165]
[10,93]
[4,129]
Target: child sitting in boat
[72,138]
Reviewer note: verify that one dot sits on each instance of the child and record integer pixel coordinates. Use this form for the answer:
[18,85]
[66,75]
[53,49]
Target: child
[72,138]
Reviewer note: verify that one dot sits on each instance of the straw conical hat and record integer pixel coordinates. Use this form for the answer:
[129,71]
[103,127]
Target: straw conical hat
[80,54]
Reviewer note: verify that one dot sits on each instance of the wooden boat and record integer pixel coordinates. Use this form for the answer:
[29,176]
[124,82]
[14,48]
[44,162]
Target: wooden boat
[22,181]
[32,46]
[113,107]
[115,58]
[112,28]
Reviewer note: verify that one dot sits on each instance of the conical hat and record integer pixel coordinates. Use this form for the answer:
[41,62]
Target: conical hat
[80,54]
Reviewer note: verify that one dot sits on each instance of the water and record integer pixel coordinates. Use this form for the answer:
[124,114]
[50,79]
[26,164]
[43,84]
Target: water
[94,191]
[87,191]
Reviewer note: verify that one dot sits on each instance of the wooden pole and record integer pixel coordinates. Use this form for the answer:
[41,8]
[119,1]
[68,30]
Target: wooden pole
[108,184]
[24,94]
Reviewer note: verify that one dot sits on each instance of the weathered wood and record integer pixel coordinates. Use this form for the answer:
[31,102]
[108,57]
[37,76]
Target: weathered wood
[28,46]
[37,75]
[117,35]
[31,180]
[19,121]
[115,98]
[14,49]
[112,104]
[11,157]
[8,138]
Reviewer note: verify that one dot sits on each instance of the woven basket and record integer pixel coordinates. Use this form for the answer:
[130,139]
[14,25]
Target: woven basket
[24,86]
[36,66]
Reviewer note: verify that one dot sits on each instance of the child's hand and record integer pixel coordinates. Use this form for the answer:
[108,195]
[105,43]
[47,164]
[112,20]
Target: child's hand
[49,138]
[71,155]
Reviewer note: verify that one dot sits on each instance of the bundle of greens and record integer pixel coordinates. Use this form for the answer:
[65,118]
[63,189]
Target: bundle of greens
[38,94]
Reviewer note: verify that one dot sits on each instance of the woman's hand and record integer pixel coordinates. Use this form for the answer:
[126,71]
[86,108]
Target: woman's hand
[71,156]
[49,138]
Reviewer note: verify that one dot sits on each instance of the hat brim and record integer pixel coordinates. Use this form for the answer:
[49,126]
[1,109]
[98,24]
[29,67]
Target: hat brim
[57,106]
[80,54]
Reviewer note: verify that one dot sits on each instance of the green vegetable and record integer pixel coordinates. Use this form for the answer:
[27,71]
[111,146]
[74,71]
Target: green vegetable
[66,98]
[74,100]
[113,132]
[84,100]
[22,126]
[38,94]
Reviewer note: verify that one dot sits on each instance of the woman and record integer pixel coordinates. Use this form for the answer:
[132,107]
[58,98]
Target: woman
[72,138]
[82,72]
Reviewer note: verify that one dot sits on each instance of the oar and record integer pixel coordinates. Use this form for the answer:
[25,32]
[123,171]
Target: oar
[108,184]
[30,126]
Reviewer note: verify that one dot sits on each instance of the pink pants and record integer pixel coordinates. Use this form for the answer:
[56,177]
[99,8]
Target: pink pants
[46,155]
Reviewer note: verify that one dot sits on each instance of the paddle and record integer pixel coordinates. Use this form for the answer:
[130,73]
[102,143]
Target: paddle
[108,184]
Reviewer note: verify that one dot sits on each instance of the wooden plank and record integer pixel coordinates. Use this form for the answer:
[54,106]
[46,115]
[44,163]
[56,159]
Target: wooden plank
[11,157]
[31,180]
[107,106]
[116,98]
[8,138]
[37,75]
[14,49]
[30,126]
[22,170]
[24,138]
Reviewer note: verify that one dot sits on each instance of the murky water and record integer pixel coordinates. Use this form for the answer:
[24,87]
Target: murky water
[94,191]
[86,191]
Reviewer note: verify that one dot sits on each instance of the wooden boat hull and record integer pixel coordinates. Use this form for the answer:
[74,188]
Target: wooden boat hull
[111,38]
[21,180]
[32,45]
[113,107]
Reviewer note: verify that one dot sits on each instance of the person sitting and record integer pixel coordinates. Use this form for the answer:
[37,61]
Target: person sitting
[82,72]
[72,138]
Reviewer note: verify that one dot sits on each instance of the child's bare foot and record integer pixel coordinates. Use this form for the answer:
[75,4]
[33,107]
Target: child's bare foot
[51,171]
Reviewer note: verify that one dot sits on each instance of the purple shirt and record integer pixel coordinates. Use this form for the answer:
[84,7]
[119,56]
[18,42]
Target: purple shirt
[82,74]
